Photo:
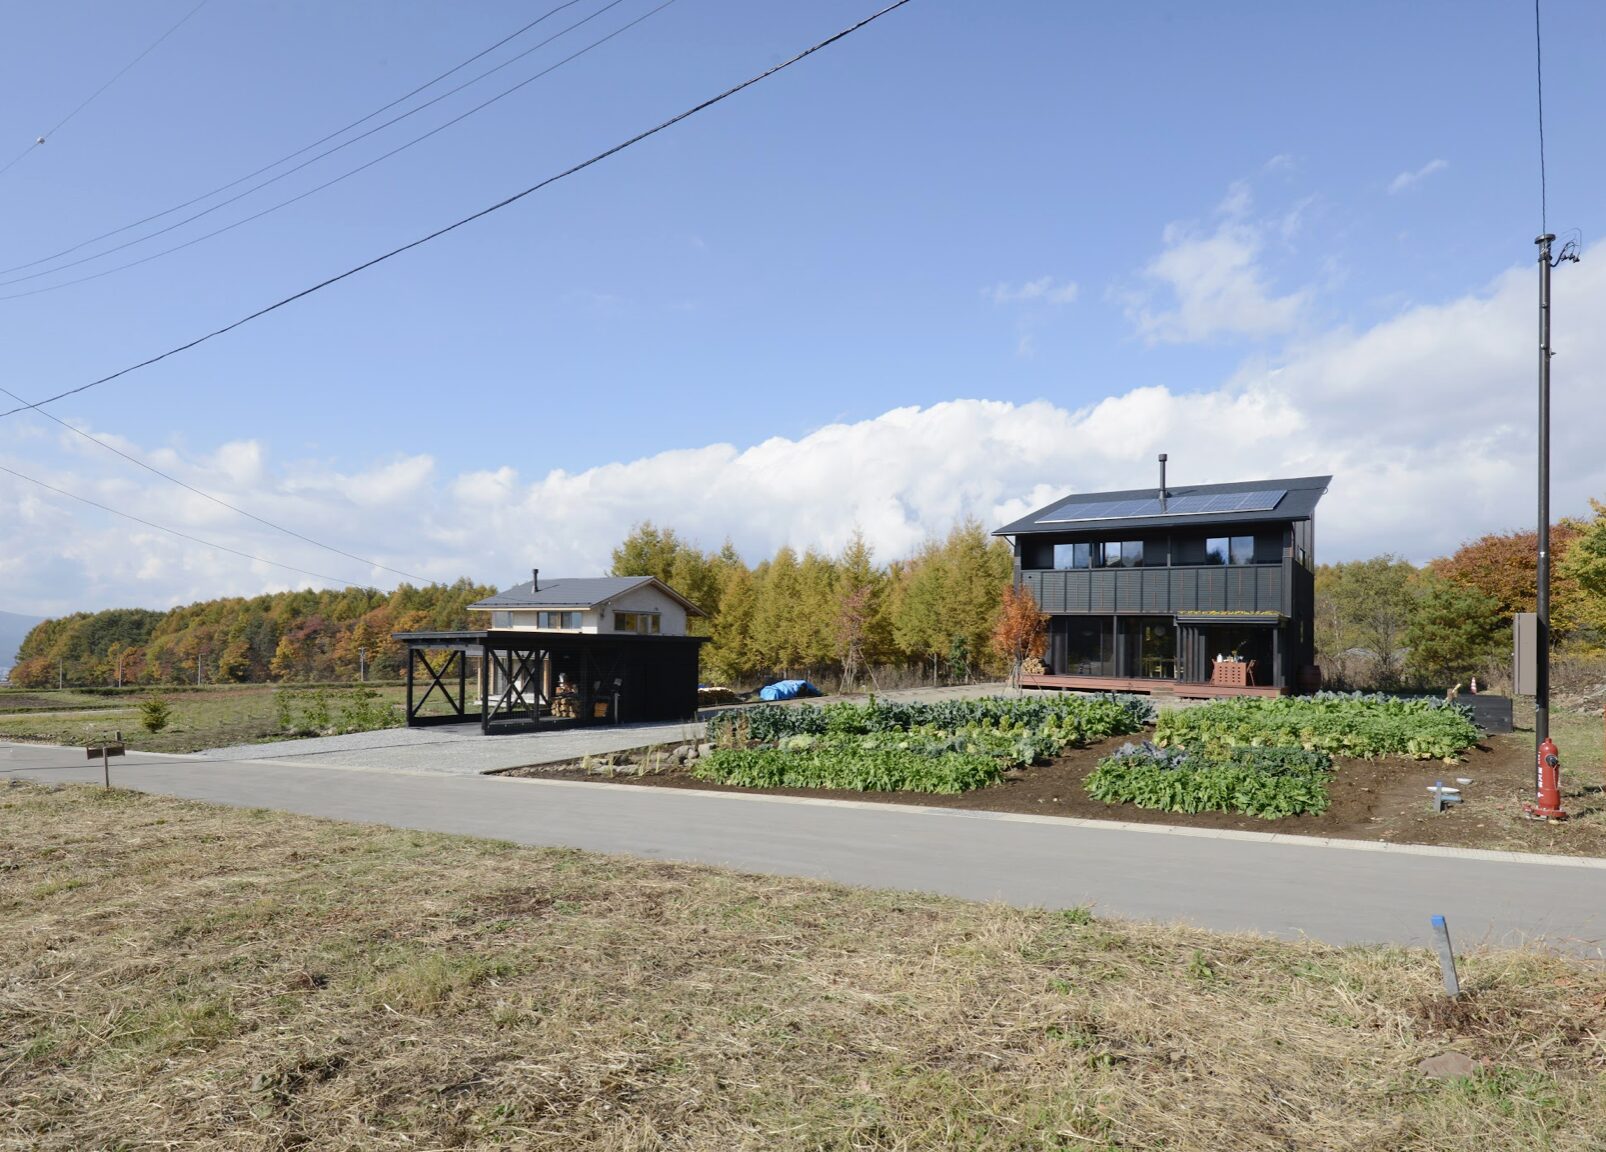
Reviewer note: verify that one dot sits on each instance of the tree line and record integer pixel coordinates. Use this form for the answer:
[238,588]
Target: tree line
[1385,622]
[310,635]
[844,617]
[816,615]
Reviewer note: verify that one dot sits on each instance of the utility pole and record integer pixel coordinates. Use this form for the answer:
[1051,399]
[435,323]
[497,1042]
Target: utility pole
[198,656]
[362,665]
[1547,761]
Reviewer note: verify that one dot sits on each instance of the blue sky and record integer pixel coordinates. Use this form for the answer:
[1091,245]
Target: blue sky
[1117,227]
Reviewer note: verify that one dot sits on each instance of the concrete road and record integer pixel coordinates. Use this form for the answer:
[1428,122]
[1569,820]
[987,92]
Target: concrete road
[1340,892]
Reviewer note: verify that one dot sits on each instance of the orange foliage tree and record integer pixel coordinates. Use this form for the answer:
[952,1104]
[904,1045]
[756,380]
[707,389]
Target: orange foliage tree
[1020,631]
[1505,568]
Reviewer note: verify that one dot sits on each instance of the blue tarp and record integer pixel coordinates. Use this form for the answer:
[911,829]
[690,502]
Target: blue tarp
[788,690]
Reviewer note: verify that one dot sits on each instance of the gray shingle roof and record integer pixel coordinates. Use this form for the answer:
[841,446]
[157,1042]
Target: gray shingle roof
[1298,502]
[576,592]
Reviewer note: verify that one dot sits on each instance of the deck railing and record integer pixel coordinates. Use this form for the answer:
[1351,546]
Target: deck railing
[1160,591]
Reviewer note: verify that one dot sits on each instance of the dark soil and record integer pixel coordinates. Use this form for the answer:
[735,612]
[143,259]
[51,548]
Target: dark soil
[1384,800]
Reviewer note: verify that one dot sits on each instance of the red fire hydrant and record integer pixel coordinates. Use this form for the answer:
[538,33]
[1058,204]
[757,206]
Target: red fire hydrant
[1547,805]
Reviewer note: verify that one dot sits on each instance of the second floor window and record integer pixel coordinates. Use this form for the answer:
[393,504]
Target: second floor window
[1123,554]
[641,623]
[557,619]
[1073,555]
[1230,550]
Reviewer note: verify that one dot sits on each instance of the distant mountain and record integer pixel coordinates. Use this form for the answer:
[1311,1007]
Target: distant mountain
[13,628]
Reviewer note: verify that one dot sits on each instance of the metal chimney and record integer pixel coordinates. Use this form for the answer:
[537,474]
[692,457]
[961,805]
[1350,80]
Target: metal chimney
[1162,481]
[535,579]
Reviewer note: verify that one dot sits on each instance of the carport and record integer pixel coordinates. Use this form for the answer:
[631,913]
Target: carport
[527,679]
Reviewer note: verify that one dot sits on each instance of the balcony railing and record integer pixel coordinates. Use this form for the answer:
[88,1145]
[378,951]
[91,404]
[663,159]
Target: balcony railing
[1160,591]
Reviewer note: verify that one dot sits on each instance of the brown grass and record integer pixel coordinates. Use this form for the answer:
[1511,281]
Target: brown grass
[181,976]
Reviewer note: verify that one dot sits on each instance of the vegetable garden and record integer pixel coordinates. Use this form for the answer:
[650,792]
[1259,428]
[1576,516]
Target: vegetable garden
[1273,757]
[945,747]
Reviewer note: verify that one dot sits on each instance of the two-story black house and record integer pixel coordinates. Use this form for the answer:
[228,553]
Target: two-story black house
[1203,590]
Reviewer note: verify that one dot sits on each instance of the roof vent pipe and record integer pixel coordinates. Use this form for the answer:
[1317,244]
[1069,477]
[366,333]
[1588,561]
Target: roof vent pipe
[535,579]
[1162,481]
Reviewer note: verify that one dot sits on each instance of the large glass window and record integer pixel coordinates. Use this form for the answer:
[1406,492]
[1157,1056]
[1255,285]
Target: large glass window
[1123,554]
[1243,549]
[1089,646]
[557,620]
[641,623]
[1149,647]
[1073,555]
[1216,550]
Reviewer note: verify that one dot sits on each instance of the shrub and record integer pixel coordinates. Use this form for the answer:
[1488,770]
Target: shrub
[154,714]
[1354,724]
[1265,782]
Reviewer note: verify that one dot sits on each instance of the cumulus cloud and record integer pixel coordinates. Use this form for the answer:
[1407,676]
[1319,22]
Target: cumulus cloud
[1406,179]
[1209,284]
[1425,420]
[1043,290]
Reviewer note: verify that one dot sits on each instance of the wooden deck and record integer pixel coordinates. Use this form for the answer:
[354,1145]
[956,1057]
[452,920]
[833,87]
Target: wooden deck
[1181,689]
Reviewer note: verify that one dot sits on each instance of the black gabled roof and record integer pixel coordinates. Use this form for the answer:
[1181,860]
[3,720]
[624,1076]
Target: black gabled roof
[1081,511]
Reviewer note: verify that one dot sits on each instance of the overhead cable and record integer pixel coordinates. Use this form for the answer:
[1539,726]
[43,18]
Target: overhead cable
[305,148]
[132,459]
[88,100]
[316,188]
[175,531]
[330,152]
[452,227]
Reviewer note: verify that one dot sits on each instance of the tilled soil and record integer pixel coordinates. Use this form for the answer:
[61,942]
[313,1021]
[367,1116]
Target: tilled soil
[1386,800]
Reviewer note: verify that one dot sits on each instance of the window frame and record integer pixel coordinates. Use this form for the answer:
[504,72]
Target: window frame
[653,620]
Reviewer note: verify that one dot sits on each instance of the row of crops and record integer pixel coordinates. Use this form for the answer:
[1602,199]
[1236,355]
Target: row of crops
[1274,757]
[1259,756]
[947,746]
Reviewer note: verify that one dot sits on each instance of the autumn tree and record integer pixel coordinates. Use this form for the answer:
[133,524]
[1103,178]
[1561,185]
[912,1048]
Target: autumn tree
[1020,630]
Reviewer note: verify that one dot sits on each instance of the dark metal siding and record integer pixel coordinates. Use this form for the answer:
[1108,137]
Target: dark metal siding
[1161,591]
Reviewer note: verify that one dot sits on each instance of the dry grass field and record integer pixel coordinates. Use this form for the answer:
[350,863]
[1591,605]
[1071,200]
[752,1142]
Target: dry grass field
[176,975]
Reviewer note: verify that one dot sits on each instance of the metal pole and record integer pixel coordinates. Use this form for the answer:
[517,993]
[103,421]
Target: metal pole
[1542,670]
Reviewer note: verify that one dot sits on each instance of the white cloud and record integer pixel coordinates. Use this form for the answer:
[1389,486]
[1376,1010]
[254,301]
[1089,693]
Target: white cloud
[1406,179]
[1425,420]
[1214,284]
[1043,290]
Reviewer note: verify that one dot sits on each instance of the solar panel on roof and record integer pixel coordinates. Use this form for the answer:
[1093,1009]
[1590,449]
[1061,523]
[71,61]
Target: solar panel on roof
[1198,504]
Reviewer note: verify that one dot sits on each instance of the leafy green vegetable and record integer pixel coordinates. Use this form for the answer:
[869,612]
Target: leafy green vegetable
[847,763]
[1062,719]
[1264,782]
[1365,726]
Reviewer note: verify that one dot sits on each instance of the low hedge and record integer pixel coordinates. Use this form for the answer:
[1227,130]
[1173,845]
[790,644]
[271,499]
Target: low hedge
[1264,782]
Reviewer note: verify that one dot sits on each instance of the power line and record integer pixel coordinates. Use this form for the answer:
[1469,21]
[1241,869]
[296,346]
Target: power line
[92,96]
[498,206]
[324,154]
[175,531]
[1539,75]
[327,183]
[305,148]
[215,499]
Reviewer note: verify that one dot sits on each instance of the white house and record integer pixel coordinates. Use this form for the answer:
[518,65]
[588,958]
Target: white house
[599,605]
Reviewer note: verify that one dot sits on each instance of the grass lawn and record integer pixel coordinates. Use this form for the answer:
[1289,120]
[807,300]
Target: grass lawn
[180,975]
[210,718]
